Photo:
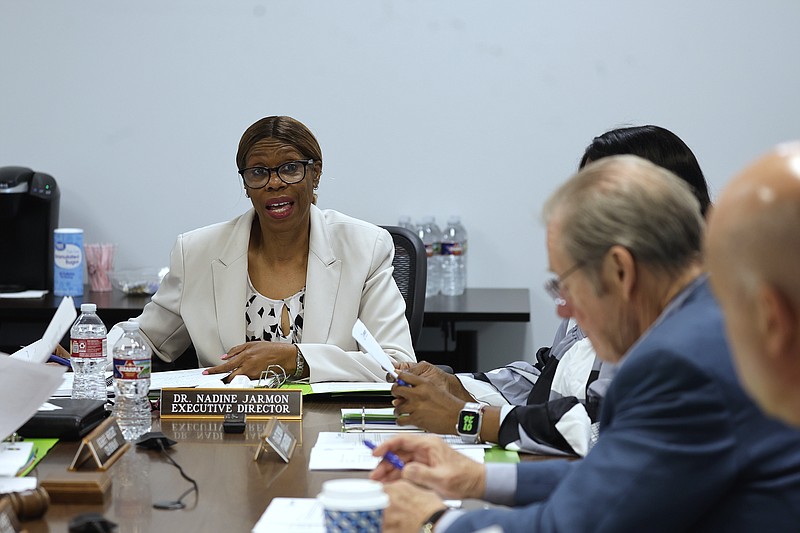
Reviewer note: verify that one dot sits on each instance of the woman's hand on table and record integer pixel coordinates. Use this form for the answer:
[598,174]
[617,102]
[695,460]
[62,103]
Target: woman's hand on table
[252,358]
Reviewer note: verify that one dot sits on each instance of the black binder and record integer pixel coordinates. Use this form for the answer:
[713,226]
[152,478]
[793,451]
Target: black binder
[75,419]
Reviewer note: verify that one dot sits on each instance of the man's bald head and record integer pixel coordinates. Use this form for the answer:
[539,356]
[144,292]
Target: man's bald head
[753,255]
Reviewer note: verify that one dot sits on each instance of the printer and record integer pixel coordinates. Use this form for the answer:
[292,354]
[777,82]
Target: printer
[29,203]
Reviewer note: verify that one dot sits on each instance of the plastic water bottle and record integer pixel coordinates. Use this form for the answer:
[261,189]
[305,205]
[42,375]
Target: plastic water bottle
[132,382]
[431,237]
[454,258]
[88,357]
[405,222]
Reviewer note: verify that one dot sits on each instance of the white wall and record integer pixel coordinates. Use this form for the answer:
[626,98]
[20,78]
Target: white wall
[457,106]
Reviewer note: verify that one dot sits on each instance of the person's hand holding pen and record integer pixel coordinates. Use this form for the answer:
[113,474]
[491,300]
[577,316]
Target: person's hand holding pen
[437,377]
[432,463]
[425,405]
[60,357]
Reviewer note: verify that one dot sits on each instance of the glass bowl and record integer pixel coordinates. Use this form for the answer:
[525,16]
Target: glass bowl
[137,282]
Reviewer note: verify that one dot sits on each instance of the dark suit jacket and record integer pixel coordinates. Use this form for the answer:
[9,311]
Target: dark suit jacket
[681,447]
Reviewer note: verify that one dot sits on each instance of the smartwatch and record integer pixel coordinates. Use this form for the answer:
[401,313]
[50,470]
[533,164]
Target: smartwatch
[469,423]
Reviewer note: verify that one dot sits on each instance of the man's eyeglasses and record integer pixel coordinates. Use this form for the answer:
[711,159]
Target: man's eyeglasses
[553,285]
[290,172]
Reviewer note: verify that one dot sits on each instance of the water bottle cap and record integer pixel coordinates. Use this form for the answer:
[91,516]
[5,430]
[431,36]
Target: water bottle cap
[405,219]
[130,325]
[428,219]
[454,219]
[88,308]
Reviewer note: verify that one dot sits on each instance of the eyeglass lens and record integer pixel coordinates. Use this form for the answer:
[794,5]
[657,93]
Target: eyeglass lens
[289,173]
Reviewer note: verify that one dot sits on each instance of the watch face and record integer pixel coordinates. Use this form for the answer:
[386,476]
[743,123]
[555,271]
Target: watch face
[468,423]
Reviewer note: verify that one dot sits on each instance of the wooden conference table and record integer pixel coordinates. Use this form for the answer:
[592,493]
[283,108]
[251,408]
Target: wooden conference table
[234,489]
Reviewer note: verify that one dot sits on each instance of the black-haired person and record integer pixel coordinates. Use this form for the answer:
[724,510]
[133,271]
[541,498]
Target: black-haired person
[283,283]
[548,407]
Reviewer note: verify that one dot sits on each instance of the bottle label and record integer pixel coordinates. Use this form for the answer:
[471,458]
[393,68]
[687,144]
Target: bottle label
[88,347]
[454,248]
[68,262]
[131,368]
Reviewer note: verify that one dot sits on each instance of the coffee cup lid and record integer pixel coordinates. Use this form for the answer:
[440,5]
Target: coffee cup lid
[353,495]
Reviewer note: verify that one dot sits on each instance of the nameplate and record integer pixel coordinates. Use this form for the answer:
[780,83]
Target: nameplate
[102,447]
[8,518]
[216,403]
[279,438]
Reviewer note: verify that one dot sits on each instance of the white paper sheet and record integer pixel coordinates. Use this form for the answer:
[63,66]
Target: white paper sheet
[347,451]
[64,390]
[362,335]
[192,377]
[17,484]
[24,386]
[355,386]
[32,294]
[301,515]
[291,515]
[40,351]
[14,456]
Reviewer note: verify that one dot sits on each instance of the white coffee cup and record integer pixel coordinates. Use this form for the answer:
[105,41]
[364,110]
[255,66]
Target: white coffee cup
[353,505]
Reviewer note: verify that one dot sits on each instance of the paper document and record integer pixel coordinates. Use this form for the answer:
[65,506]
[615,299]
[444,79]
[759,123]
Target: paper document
[355,386]
[32,294]
[292,515]
[362,335]
[192,377]
[15,457]
[24,387]
[17,484]
[346,451]
[301,515]
[40,351]
[65,388]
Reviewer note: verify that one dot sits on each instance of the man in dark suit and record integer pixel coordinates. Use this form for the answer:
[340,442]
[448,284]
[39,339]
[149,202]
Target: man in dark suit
[681,446]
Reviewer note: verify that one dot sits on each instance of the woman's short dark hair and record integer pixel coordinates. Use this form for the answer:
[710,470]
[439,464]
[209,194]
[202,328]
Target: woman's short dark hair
[285,129]
[658,145]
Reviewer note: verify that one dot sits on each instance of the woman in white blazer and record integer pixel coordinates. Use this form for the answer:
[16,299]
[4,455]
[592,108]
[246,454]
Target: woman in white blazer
[283,283]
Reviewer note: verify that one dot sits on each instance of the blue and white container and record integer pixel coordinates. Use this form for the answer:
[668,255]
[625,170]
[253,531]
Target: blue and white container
[68,257]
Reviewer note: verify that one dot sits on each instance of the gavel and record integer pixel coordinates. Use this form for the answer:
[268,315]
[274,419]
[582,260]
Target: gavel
[29,504]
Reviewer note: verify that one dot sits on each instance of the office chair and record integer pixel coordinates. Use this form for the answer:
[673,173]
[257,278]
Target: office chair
[410,273]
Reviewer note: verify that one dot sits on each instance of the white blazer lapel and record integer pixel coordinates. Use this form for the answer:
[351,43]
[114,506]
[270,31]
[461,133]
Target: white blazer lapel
[229,273]
[322,281]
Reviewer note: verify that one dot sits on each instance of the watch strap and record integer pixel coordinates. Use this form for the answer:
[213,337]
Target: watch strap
[430,523]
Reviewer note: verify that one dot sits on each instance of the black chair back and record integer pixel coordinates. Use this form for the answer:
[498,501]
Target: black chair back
[410,274]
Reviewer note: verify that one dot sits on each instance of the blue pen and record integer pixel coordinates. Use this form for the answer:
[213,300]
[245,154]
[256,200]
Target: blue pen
[390,456]
[60,360]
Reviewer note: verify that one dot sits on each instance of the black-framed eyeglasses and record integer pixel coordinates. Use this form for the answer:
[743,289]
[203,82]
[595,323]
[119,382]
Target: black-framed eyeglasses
[290,173]
[553,285]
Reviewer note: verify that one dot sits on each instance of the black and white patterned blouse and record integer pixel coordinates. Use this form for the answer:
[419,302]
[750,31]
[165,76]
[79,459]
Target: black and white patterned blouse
[263,316]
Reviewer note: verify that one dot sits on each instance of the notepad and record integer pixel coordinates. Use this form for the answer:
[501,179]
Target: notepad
[15,457]
[346,451]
